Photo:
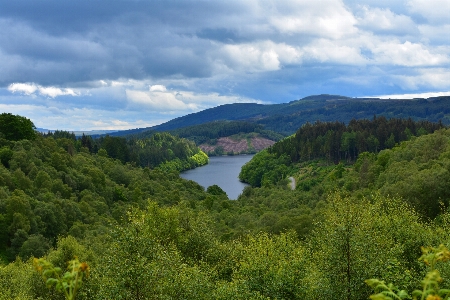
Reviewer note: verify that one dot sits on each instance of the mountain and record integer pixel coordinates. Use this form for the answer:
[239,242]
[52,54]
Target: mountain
[286,118]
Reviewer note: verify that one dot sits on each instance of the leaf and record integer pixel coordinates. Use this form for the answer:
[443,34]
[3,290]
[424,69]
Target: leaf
[380,296]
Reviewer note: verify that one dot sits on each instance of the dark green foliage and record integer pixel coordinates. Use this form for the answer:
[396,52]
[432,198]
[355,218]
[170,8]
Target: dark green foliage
[15,128]
[265,169]
[336,141]
[5,156]
[61,134]
[215,190]
[116,147]
[48,189]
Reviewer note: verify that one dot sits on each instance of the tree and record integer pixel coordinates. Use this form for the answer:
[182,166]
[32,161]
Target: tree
[15,128]
[363,239]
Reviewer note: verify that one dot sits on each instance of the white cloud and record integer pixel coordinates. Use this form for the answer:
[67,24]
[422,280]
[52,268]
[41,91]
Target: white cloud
[158,98]
[427,78]
[31,88]
[327,51]
[326,18]
[259,56]
[158,88]
[435,11]
[412,96]
[435,34]
[407,54]
[384,20]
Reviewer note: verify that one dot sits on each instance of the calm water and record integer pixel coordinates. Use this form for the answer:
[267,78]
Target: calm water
[221,170]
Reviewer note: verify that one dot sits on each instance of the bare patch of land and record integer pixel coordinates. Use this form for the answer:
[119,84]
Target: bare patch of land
[236,146]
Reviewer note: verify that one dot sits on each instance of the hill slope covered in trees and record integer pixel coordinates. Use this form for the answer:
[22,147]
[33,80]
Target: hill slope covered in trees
[146,233]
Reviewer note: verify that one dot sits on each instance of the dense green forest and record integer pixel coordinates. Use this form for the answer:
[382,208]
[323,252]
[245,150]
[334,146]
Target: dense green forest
[331,142]
[161,150]
[145,233]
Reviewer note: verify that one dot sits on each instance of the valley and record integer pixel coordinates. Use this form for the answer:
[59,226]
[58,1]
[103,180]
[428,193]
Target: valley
[362,196]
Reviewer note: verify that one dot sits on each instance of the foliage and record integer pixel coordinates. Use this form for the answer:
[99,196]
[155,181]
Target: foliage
[265,169]
[358,240]
[344,223]
[430,284]
[15,128]
[69,282]
[49,189]
[335,141]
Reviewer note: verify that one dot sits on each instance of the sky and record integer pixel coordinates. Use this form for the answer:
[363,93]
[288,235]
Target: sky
[89,64]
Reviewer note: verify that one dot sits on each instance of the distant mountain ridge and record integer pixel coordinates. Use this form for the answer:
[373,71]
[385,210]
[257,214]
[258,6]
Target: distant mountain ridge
[286,118]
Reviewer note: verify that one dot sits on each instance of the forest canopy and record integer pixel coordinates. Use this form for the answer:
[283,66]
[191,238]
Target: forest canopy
[142,232]
[15,128]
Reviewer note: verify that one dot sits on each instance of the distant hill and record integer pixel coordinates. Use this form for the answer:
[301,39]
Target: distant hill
[286,118]
[80,133]
[248,112]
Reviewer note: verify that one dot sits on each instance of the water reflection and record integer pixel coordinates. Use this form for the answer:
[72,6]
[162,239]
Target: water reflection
[223,171]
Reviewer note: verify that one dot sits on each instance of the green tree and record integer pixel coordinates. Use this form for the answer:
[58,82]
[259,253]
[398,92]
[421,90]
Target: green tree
[15,128]
[364,239]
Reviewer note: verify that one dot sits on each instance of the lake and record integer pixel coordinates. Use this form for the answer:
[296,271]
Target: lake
[221,170]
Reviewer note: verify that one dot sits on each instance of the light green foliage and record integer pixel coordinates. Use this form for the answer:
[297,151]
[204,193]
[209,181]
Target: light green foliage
[67,283]
[16,282]
[430,284]
[145,259]
[47,187]
[359,240]
[178,165]
[267,267]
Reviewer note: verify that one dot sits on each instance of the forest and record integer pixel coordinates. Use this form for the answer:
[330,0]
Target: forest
[80,221]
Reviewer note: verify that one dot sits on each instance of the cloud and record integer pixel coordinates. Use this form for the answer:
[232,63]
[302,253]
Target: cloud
[435,11]
[434,78]
[152,59]
[407,54]
[326,51]
[412,96]
[31,88]
[158,98]
[385,21]
[75,119]
[259,56]
[327,18]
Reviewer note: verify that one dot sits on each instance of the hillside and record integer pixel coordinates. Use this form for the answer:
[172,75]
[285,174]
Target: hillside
[286,118]
[230,145]
[145,233]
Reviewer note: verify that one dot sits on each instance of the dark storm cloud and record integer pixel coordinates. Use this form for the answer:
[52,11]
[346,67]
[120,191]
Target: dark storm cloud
[70,41]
